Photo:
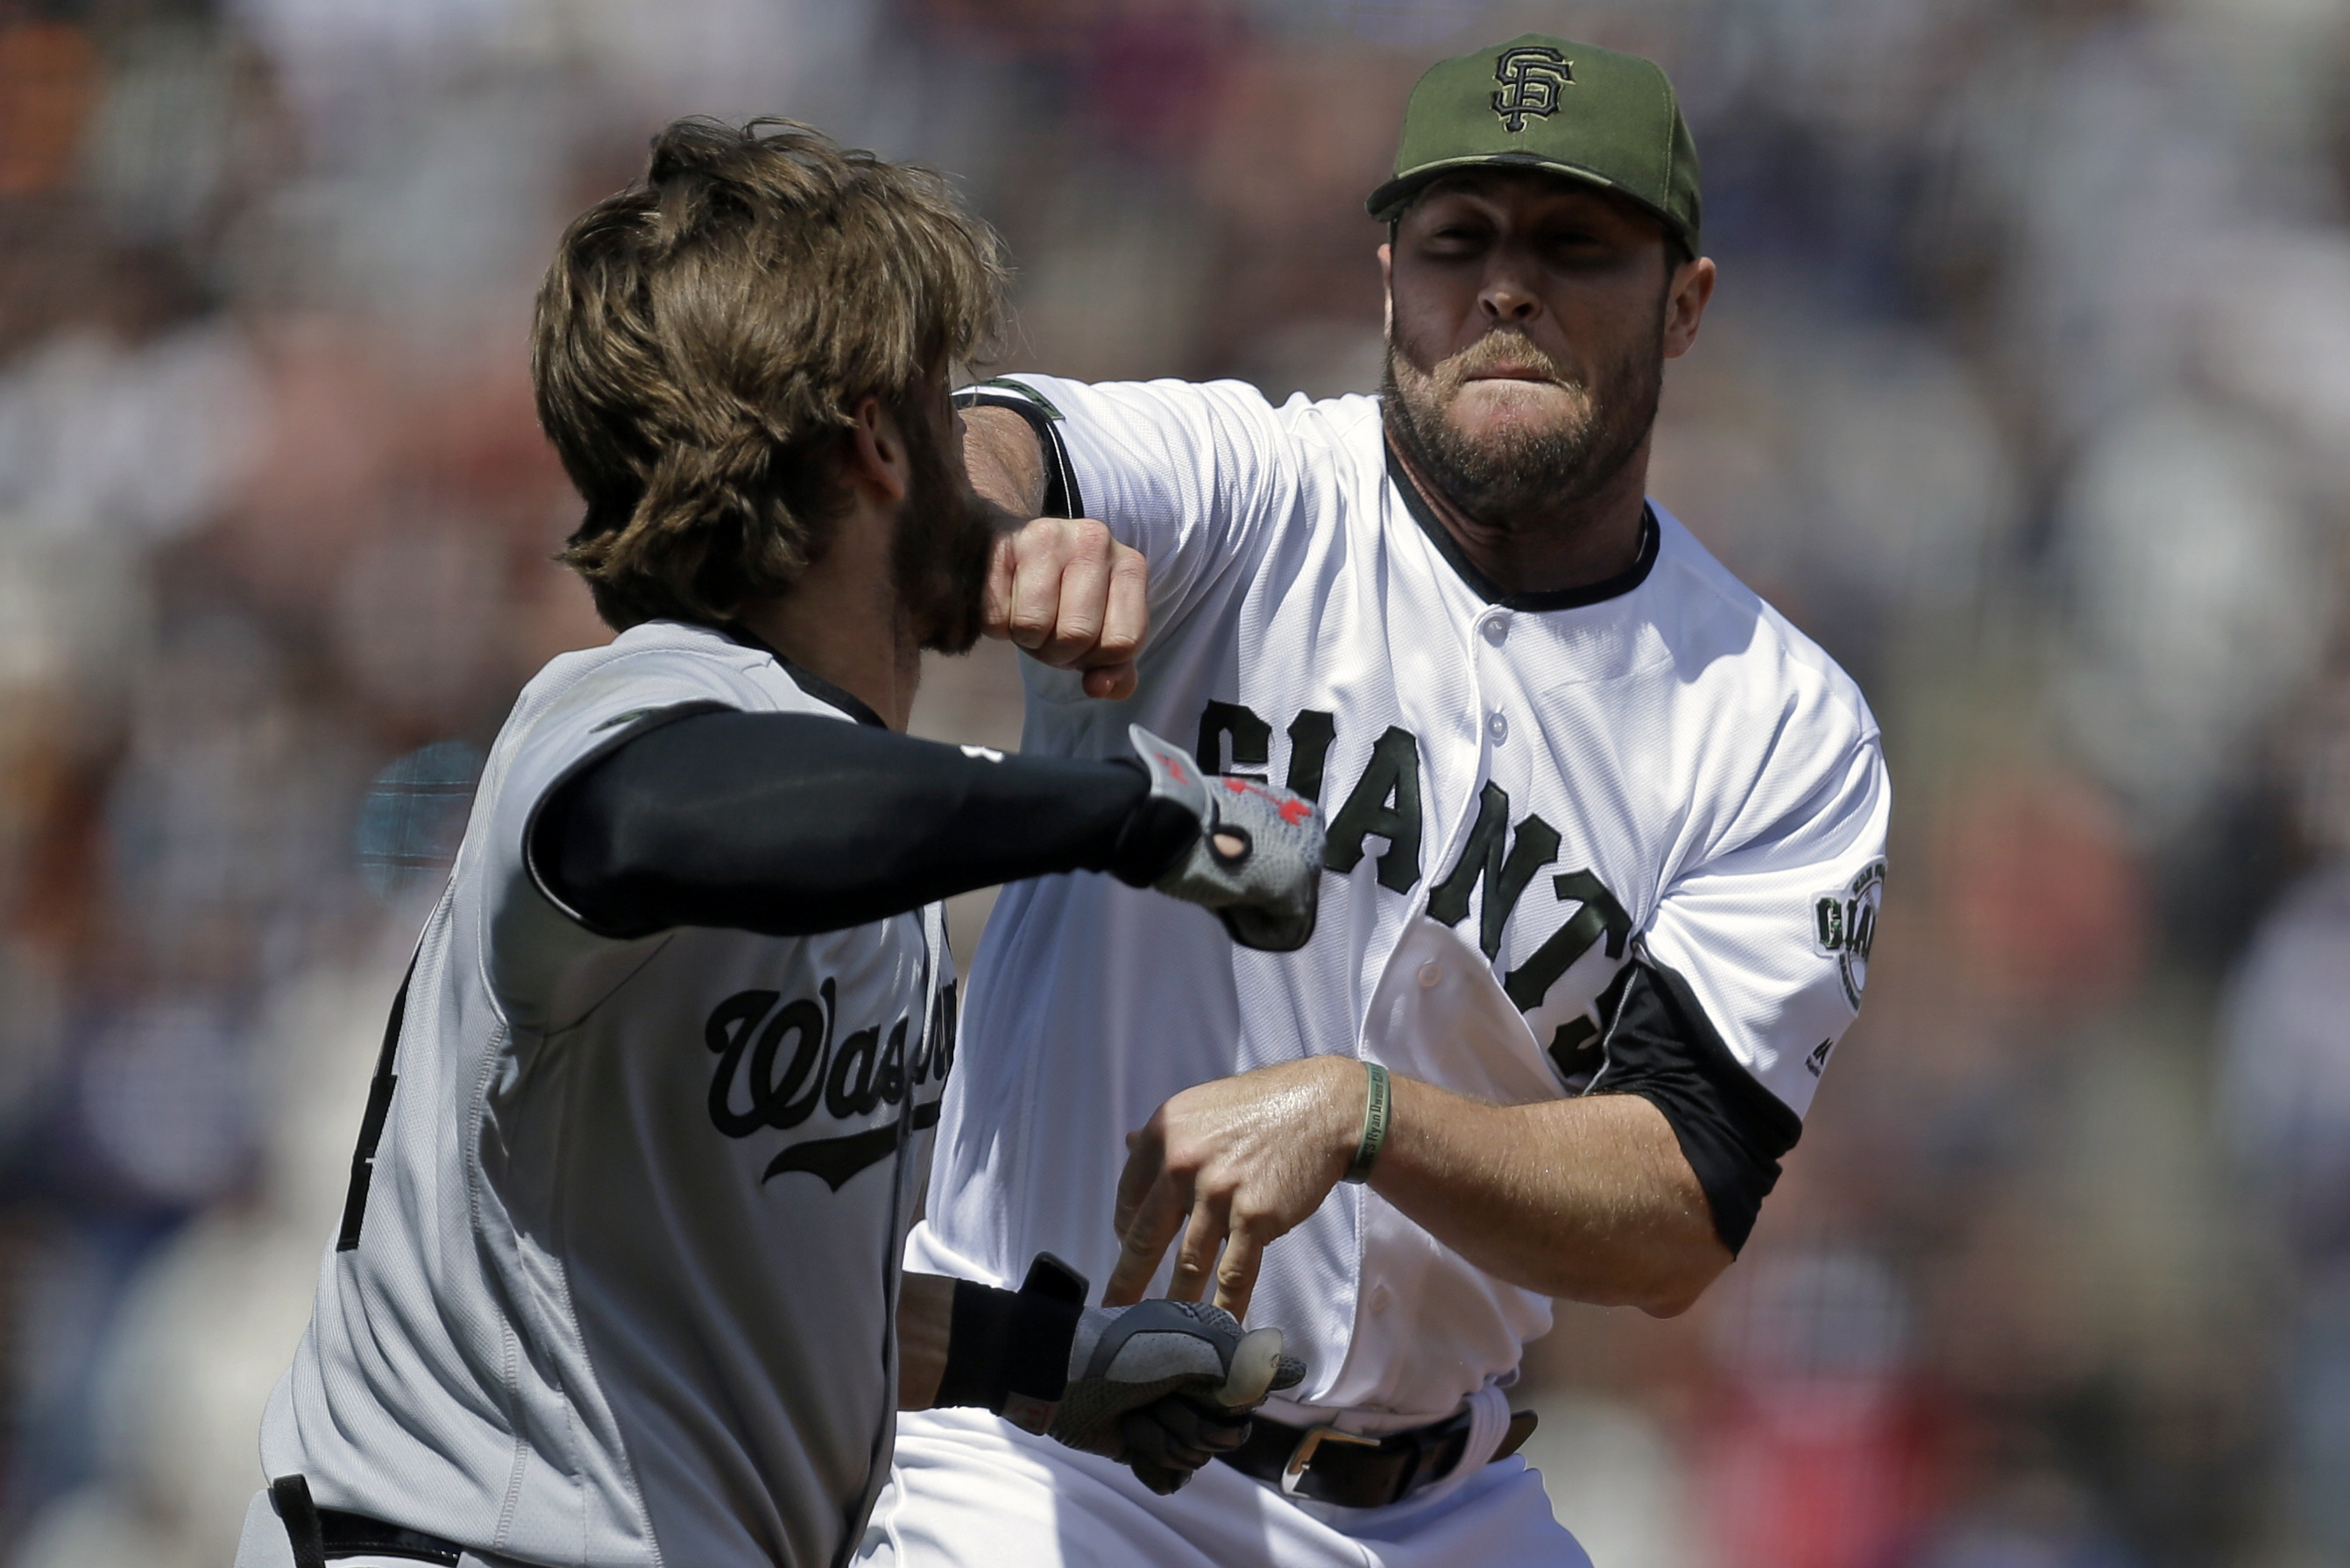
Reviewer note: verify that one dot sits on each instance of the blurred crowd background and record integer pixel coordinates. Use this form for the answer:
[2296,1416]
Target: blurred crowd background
[2026,392]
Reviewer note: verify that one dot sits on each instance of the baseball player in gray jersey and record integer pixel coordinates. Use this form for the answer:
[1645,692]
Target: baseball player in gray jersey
[617,1282]
[1602,867]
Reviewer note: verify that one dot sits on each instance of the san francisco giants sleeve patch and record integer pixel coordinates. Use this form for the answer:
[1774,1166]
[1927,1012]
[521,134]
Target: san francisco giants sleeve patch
[1844,927]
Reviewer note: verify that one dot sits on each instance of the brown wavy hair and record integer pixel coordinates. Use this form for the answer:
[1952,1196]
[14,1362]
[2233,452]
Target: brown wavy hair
[703,336]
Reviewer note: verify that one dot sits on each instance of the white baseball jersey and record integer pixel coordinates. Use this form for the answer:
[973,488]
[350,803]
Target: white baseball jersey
[624,1275]
[1629,837]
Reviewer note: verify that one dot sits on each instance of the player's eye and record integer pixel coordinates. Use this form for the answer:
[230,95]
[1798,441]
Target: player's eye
[1581,249]
[1455,237]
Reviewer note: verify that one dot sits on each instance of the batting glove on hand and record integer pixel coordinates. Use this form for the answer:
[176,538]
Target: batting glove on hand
[1163,1386]
[1254,855]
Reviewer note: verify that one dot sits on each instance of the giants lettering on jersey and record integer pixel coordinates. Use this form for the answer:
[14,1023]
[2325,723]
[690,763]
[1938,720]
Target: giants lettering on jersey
[852,1081]
[1386,801]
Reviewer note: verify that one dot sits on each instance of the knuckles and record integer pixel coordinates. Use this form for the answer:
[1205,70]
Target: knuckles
[1057,541]
[1089,541]
[1188,1163]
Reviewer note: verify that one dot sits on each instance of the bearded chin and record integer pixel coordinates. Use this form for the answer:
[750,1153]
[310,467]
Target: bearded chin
[1522,475]
[940,553]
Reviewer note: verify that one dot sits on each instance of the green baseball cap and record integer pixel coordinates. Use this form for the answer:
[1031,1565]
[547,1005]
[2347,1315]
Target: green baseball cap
[1580,111]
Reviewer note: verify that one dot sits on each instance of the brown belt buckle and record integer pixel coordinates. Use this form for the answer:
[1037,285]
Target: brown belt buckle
[1302,1454]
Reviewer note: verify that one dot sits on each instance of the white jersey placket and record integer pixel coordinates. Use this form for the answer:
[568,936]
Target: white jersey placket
[1476,645]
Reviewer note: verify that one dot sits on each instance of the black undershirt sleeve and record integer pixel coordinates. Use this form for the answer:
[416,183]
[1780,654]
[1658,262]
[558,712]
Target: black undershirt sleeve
[1658,1043]
[792,823]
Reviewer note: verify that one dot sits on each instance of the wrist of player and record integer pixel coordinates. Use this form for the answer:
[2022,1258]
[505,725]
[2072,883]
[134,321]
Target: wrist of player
[1009,1350]
[1156,835]
[1344,1118]
[1365,1118]
[1044,1361]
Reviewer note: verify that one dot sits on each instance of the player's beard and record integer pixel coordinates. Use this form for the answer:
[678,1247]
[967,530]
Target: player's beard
[940,552]
[1524,472]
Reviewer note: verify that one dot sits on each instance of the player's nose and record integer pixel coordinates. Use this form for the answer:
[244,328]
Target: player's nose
[1505,298]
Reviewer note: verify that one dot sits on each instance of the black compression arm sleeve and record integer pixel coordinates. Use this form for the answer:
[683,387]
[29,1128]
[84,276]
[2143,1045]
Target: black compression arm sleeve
[790,824]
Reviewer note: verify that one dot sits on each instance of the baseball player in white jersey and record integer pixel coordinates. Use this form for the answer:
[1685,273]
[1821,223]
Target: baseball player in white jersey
[616,1283]
[1606,839]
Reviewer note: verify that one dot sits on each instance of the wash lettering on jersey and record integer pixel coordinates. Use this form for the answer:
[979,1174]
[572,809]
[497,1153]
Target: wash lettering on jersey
[1386,801]
[846,1074]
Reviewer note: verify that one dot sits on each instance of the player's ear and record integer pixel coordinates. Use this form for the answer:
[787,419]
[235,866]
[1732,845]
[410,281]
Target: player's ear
[877,459]
[1386,289]
[1685,301]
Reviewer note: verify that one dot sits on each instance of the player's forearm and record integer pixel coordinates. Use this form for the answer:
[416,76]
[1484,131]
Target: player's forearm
[1006,461]
[1587,1199]
[791,823]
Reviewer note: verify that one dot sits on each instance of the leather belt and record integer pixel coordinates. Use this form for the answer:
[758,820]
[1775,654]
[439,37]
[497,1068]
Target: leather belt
[1355,1471]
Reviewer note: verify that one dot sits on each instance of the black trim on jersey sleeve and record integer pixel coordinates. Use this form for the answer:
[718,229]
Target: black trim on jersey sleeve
[1062,497]
[1660,1046]
[378,1111]
[793,824]
[1485,587]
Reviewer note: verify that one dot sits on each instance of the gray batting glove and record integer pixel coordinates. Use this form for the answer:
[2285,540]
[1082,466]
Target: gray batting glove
[1163,1386]
[1257,859]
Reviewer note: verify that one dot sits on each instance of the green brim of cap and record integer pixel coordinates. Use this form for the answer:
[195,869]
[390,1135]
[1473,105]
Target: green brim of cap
[1387,202]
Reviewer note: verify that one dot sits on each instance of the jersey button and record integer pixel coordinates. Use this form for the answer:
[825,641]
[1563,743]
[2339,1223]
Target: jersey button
[1430,973]
[1497,726]
[1497,630]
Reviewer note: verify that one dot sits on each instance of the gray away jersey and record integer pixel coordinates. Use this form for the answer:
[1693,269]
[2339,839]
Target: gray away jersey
[623,1287]
[1533,802]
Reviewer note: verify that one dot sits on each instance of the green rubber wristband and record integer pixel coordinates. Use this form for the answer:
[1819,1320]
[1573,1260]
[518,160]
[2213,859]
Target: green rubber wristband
[1376,1100]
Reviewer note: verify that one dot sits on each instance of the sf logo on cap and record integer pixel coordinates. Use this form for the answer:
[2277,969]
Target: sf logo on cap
[1530,79]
